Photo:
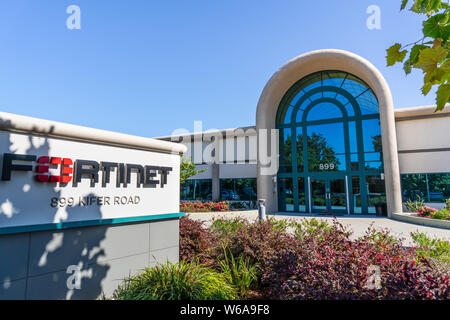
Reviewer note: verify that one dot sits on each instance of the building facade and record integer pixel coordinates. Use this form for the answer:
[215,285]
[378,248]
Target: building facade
[327,139]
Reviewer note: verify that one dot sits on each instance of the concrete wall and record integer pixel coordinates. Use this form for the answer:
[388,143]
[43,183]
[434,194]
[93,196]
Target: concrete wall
[34,265]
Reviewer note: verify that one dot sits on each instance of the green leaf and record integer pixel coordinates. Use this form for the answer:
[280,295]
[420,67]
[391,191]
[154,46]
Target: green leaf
[415,51]
[407,66]
[437,27]
[395,55]
[426,88]
[429,58]
[443,96]
[404,3]
[417,6]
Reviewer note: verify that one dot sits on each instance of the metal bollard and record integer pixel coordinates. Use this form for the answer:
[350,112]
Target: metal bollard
[262,209]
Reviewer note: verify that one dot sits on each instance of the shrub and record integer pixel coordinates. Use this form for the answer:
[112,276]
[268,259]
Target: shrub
[258,241]
[425,211]
[227,227]
[413,206]
[334,267]
[196,242]
[311,227]
[447,204]
[431,248]
[182,281]
[380,237]
[442,214]
[241,274]
[199,206]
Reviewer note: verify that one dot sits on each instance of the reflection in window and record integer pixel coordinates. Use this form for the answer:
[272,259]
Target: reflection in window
[439,187]
[285,150]
[356,195]
[300,159]
[431,187]
[238,189]
[372,135]
[324,110]
[286,195]
[326,147]
[287,118]
[301,195]
[199,189]
[376,192]
[368,103]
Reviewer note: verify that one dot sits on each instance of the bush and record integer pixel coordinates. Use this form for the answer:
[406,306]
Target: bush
[199,206]
[196,242]
[320,261]
[442,214]
[311,227]
[224,228]
[431,248]
[334,267]
[447,203]
[413,206]
[425,211]
[241,274]
[183,281]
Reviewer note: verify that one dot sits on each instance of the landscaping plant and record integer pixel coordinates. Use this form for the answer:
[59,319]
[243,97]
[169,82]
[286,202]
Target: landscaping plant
[199,206]
[414,206]
[180,281]
[241,274]
[312,259]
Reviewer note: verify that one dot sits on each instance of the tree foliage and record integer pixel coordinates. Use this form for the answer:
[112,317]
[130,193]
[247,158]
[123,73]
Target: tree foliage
[431,54]
[188,169]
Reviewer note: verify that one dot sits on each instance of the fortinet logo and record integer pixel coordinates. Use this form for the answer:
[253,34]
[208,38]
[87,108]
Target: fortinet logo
[64,170]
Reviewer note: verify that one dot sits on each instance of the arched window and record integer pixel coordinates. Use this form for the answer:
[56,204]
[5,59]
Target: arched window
[330,146]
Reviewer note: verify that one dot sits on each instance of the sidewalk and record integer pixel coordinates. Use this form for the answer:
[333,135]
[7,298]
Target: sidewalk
[358,225]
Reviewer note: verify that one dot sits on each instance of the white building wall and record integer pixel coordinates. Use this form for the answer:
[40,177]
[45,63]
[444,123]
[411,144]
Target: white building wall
[424,145]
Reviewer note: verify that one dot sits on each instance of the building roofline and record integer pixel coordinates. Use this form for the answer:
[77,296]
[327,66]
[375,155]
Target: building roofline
[411,113]
[21,124]
[421,112]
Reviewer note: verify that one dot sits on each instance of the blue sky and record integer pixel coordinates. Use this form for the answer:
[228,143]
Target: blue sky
[149,67]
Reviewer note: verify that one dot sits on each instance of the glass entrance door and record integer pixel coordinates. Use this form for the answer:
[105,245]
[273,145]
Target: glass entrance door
[329,195]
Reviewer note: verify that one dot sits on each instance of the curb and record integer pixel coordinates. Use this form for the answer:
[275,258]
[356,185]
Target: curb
[435,223]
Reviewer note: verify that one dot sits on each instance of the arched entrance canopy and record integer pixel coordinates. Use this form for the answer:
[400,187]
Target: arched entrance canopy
[312,63]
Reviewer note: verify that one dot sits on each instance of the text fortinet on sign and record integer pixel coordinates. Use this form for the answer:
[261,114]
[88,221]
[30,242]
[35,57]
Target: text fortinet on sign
[49,181]
[88,169]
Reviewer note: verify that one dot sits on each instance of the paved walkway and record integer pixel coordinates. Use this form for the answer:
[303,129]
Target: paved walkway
[359,225]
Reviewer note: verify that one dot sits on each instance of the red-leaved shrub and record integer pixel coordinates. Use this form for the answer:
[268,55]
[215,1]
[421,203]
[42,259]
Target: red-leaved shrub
[335,267]
[196,241]
[318,263]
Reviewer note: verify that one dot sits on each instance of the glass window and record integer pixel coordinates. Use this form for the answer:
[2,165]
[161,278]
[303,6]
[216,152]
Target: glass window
[199,189]
[356,195]
[286,195]
[354,86]
[324,110]
[353,137]
[326,147]
[376,192]
[333,79]
[285,150]
[372,135]
[287,118]
[300,159]
[439,187]
[301,195]
[238,189]
[414,186]
[368,103]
